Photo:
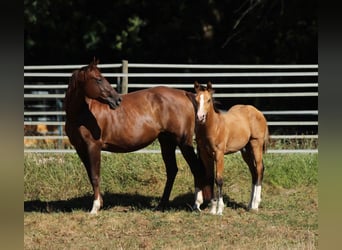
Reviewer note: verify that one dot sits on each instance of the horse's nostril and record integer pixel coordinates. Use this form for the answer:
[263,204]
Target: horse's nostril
[118,101]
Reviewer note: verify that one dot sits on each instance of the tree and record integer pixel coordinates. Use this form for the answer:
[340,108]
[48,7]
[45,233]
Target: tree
[179,31]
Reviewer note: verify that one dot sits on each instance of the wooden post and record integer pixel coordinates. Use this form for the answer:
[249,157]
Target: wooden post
[124,82]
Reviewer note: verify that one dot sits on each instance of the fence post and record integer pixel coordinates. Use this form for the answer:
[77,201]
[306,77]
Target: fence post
[124,83]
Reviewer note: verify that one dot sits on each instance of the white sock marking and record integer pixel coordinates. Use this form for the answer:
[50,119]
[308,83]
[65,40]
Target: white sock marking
[220,206]
[96,206]
[213,206]
[198,199]
[255,197]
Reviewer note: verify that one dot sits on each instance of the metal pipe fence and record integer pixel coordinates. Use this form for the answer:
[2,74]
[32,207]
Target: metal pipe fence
[272,88]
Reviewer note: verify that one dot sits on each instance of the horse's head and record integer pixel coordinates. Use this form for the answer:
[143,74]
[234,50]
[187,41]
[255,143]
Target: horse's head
[204,100]
[96,86]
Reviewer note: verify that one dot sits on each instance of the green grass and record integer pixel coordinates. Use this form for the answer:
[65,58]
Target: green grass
[58,197]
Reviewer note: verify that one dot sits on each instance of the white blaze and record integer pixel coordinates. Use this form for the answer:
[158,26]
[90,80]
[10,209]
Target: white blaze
[200,112]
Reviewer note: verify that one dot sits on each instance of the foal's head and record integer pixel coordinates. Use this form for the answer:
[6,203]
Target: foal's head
[96,86]
[204,100]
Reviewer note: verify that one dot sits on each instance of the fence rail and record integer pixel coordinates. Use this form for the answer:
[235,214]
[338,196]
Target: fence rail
[268,86]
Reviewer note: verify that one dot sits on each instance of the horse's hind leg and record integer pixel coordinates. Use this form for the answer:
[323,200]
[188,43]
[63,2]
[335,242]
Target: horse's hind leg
[168,150]
[189,155]
[91,158]
[202,191]
[252,154]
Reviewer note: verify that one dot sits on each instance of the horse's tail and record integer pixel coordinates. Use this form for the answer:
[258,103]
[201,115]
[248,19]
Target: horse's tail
[266,139]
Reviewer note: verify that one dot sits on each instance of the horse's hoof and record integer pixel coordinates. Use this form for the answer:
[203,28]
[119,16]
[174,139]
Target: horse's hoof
[253,210]
[92,212]
[213,212]
[196,209]
[159,208]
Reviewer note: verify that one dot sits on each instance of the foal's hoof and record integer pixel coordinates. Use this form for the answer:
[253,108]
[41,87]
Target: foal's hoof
[195,209]
[93,212]
[253,210]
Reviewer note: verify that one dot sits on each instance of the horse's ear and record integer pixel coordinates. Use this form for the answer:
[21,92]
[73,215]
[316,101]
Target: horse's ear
[209,86]
[95,62]
[197,86]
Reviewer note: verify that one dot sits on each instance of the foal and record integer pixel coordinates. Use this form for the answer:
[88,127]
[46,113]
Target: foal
[243,128]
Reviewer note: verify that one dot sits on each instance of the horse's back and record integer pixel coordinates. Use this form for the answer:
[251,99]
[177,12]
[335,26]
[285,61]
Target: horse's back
[249,116]
[176,109]
[168,110]
[248,112]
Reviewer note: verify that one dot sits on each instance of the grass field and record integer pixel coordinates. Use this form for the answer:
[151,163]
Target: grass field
[58,197]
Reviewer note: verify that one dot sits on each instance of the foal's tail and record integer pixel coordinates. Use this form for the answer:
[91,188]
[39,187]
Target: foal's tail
[266,140]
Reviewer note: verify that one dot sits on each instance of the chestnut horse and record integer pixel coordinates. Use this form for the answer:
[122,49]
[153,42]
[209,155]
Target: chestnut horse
[243,128]
[97,118]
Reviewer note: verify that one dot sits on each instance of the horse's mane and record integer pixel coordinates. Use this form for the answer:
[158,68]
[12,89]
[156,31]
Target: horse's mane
[74,79]
[72,91]
[216,109]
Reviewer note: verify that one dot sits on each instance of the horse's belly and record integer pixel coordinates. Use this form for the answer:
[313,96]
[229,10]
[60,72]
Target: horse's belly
[235,145]
[129,142]
[123,148]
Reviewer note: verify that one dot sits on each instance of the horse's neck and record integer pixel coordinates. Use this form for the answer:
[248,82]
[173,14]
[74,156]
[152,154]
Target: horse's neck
[75,102]
[213,119]
[212,123]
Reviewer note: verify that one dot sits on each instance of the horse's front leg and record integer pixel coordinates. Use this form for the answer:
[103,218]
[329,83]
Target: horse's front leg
[95,165]
[91,157]
[218,204]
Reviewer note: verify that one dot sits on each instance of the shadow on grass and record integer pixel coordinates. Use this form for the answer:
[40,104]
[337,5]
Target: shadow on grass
[131,201]
[85,202]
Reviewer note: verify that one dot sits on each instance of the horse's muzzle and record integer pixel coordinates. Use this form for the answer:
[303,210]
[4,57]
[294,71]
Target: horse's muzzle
[201,118]
[114,103]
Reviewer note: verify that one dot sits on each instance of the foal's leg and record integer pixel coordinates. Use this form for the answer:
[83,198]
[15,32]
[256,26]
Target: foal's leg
[219,158]
[257,146]
[253,157]
[168,150]
[91,158]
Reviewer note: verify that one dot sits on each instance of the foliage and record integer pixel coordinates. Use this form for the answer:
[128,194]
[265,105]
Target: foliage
[206,31]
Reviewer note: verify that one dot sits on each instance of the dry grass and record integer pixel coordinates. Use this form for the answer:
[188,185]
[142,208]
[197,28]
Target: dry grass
[57,199]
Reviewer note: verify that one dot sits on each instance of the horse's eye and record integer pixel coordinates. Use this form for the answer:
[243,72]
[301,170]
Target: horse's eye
[209,100]
[99,80]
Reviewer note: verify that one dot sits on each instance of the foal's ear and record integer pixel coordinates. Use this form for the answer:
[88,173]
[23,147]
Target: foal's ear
[209,86]
[197,86]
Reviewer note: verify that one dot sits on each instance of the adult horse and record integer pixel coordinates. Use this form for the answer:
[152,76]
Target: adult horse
[243,128]
[97,118]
